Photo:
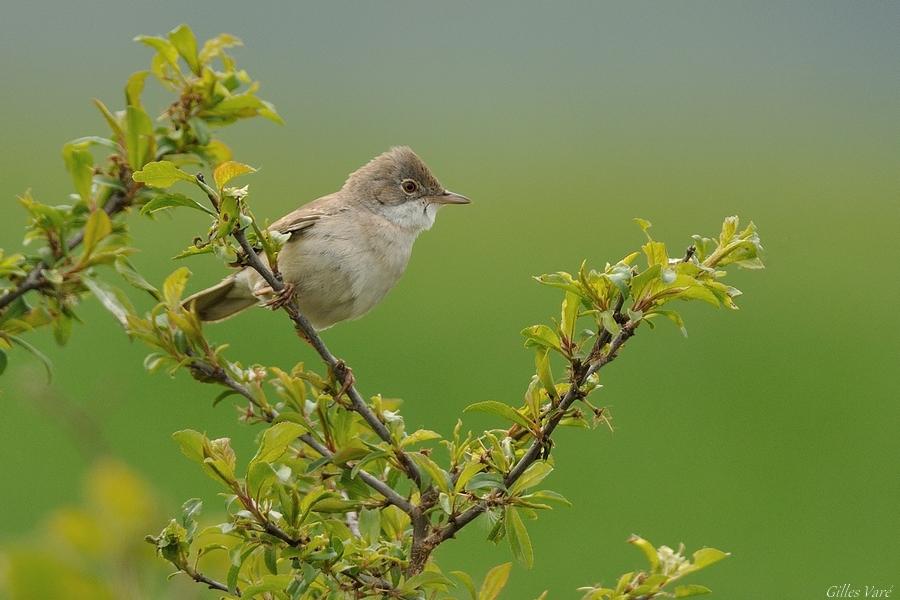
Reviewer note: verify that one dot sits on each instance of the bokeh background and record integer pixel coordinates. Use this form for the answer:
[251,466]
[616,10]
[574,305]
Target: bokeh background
[771,432]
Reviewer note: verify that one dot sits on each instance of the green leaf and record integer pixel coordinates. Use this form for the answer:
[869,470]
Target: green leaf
[259,475]
[486,480]
[112,299]
[171,200]
[213,47]
[542,337]
[494,582]
[686,591]
[542,369]
[161,174]
[544,496]
[466,580]
[139,134]
[243,105]
[648,550]
[705,557]
[94,140]
[519,540]
[135,87]
[98,226]
[609,322]
[165,48]
[336,505]
[367,459]
[195,251]
[348,453]
[268,583]
[228,170]
[569,316]
[500,409]
[111,120]
[439,477]
[655,253]
[276,439]
[4,360]
[417,437]
[173,286]
[370,525]
[428,579]
[673,316]
[561,280]
[228,216]
[186,44]
[620,276]
[201,130]
[644,224]
[80,165]
[729,227]
[191,444]
[130,274]
[466,475]
[532,477]
[640,282]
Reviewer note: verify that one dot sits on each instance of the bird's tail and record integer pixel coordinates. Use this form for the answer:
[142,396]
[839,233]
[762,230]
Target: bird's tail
[221,301]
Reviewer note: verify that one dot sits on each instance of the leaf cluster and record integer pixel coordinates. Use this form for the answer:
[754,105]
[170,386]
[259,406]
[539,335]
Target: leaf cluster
[69,241]
[666,568]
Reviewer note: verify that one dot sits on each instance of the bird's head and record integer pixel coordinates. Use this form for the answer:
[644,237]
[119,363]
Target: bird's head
[400,187]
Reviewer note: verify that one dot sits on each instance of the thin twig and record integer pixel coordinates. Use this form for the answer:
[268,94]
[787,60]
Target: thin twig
[212,583]
[537,446]
[373,482]
[369,479]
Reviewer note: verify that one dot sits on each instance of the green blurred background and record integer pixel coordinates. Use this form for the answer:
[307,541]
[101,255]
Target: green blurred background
[769,432]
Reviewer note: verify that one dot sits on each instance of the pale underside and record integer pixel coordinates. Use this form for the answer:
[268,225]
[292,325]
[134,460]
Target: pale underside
[341,260]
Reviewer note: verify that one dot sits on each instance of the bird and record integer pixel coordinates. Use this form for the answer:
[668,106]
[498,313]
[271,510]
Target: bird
[346,250]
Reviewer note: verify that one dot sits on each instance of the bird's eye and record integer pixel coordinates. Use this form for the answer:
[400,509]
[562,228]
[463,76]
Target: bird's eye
[409,186]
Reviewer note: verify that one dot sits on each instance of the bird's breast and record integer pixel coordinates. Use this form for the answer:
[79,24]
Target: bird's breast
[342,270]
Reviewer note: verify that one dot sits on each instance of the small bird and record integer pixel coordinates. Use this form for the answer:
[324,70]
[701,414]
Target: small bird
[346,250]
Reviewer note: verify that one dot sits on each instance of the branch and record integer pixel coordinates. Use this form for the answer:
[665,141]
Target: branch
[370,480]
[212,583]
[337,366]
[537,447]
[35,278]
[219,375]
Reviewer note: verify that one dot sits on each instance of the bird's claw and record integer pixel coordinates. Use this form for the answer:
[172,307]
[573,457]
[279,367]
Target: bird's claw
[282,297]
[345,374]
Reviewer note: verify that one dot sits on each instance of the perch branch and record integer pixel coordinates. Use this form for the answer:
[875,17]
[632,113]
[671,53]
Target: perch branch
[337,366]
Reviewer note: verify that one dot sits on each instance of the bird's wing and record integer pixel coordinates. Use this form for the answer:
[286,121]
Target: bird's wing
[296,221]
[308,215]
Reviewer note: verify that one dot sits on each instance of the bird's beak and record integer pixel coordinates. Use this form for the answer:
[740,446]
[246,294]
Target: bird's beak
[449,197]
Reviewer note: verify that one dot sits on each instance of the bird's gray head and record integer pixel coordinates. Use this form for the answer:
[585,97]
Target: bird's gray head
[401,188]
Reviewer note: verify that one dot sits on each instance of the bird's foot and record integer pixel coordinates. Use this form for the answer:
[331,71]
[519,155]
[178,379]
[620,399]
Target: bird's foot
[345,375]
[281,298]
